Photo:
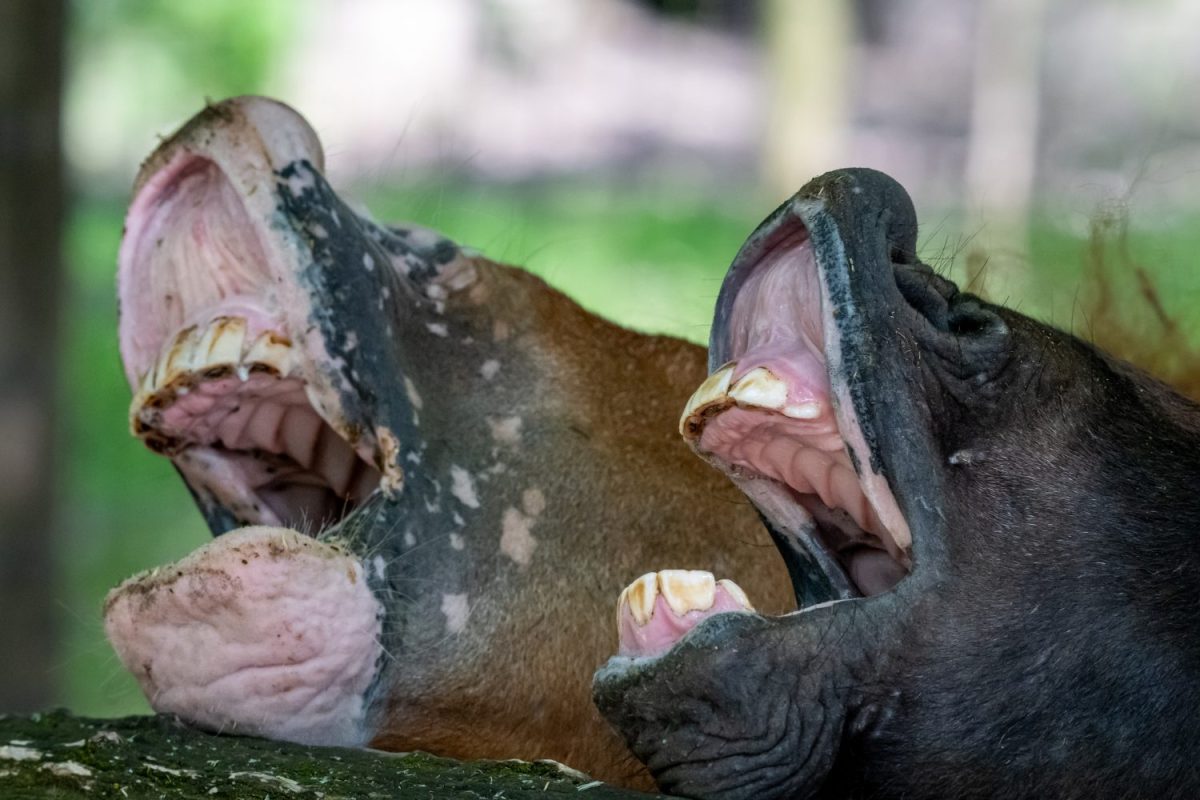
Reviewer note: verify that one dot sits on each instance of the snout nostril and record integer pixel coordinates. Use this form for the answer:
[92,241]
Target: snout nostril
[968,318]
[966,324]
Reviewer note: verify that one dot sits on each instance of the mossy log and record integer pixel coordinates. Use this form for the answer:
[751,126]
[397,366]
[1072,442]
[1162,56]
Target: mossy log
[58,755]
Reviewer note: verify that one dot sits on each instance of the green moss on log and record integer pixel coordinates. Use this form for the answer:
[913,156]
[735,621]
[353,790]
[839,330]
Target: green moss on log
[57,755]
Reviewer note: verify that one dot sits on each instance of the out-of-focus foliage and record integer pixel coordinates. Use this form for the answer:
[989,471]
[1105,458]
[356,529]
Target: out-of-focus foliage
[222,45]
[151,61]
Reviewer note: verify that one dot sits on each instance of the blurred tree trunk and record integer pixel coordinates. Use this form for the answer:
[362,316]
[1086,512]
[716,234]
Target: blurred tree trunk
[809,47]
[1003,146]
[31,215]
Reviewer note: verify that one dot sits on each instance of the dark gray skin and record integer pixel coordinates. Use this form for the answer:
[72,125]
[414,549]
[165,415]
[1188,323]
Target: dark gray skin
[1045,643]
[443,349]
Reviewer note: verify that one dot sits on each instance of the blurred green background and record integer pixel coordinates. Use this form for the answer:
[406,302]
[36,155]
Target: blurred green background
[546,163]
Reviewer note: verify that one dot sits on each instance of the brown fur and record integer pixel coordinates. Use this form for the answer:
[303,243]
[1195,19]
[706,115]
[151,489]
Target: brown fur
[614,397]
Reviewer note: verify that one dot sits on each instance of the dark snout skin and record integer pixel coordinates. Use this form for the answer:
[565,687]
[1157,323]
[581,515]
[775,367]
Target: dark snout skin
[1045,643]
[531,469]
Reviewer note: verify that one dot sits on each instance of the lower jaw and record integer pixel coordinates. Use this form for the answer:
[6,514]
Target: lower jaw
[254,493]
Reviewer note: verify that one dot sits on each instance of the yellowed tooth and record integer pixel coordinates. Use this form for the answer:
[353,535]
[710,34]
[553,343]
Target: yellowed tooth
[712,392]
[272,350]
[760,388]
[687,589]
[222,342]
[735,591]
[147,383]
[639,596]
[175,359]
[205,346]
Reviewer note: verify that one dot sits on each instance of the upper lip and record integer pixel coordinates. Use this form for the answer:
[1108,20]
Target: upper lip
[237,156]
[817,575]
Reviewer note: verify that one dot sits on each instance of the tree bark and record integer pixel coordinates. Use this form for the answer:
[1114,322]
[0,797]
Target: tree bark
[61,756]
[809,46]
[31,213]
[1003,145]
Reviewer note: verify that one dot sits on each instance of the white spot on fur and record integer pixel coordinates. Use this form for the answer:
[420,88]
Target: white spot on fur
[455,607]
[457,541]
[463,486]
[435,291]
[368,262]
[516,541]
[533,501]
[505,430]
[380,567]
[413,396]
[410,540]
[458,520]
[457,276]
[489,369]
[299,181]
[437,328]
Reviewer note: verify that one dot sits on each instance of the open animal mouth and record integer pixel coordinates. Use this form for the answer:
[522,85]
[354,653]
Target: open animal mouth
[779,418]
[231,379]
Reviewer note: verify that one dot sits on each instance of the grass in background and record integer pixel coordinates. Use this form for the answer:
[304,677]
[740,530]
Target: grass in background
[653,261]
[123,509]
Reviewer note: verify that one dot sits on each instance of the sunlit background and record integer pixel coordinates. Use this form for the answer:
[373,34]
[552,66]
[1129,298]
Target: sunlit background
[623,150]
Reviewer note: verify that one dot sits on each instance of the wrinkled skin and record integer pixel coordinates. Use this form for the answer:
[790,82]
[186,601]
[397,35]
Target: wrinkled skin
[1044,640]
[516,461]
